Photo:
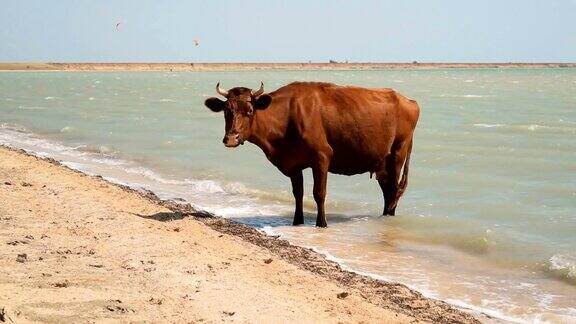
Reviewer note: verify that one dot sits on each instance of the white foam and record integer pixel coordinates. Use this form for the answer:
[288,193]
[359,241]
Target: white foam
[205,186]
[461,96]
[530,127]
[15,136]
[567,121]
[534,127]
[12,127]
[489,125]
[484,311]
[31,108]
[564,263]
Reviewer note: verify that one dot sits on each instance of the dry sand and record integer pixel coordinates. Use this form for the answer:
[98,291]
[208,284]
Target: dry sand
[262,66]
[75,248]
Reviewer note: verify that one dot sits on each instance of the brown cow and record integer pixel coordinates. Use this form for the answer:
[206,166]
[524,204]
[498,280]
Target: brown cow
[326,127]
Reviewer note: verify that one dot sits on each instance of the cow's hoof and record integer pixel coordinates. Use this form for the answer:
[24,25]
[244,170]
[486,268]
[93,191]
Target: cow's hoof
[389,213]
[321,224]
[298,220]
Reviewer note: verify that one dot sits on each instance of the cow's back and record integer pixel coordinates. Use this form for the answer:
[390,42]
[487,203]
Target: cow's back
[360,125]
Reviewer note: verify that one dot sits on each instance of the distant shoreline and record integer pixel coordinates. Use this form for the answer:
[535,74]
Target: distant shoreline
[179,67]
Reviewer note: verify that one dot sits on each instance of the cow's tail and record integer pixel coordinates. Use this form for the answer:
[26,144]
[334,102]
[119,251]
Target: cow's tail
[404,180]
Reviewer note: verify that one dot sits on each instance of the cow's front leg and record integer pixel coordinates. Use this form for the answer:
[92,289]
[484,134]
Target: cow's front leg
[320,174]
[298,191]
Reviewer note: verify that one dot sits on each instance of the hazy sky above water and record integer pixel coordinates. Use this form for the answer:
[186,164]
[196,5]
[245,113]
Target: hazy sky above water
[288,31]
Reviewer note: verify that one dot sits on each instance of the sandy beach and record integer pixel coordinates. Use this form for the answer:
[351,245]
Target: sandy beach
[175,67]
[77,248]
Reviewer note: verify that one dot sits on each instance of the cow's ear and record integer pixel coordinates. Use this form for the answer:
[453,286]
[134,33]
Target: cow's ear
[215,104]
[263,102]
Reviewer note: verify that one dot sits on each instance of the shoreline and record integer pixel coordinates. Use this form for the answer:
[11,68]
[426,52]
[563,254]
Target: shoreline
[386,295]
[189,67]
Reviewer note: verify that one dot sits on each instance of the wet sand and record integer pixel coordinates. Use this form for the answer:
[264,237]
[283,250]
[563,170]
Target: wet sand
[77,248]
[263,66]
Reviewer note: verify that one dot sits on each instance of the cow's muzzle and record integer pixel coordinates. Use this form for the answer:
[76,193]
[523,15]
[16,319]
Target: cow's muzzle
[232,140]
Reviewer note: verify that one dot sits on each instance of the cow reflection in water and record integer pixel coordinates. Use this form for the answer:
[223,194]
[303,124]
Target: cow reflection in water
[326,127]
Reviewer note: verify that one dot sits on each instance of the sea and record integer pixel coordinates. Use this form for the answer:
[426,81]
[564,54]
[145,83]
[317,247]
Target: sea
[488,222]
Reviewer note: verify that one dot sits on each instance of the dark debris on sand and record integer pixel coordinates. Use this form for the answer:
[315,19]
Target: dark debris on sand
[22,257]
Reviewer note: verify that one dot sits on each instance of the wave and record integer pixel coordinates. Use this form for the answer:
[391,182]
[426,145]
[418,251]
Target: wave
[563,266]
[470,238]
[211,186]
[19,137]
[489,125]
[534,127]
[66,129]
[99,151]
[205,186]
[13,127]
[567,121]
[461,96]
[492,243]
[31,107]
[547,128]
[529,128]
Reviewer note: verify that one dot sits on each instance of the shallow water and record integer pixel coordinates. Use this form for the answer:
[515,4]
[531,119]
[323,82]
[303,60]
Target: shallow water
[489,217]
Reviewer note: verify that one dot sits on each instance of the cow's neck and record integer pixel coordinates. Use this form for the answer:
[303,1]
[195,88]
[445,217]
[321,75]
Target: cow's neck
[268,127]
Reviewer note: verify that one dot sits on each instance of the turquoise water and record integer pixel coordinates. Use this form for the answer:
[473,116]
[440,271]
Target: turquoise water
[489,218]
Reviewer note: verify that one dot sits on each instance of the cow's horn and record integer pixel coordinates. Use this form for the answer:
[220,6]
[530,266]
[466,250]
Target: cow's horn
[259,91]
[221,91]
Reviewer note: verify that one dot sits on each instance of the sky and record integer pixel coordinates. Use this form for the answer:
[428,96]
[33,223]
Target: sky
[288,31]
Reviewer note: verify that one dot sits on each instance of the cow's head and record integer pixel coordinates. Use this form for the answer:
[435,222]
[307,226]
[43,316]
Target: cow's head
[239,110]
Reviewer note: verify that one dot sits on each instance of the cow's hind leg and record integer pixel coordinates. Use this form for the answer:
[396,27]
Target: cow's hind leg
[320,174]
[397,165]
[388,181]
[298,191]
